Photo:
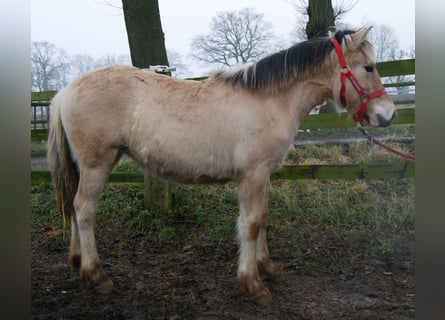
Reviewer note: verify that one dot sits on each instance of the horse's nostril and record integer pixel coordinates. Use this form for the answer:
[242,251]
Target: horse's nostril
[382,121]
[394,115]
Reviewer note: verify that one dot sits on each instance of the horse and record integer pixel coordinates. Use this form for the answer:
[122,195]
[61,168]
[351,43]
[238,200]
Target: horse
[235,126]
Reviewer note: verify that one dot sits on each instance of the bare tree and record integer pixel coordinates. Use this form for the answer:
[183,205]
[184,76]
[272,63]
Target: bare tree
[387,48]
[82,63]
[111,59]
[49,66]
[175,60]
[385,43]
[235,37]
[325,16]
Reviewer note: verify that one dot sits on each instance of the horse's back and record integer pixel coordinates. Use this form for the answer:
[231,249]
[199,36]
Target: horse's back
[152,117]
[100,90]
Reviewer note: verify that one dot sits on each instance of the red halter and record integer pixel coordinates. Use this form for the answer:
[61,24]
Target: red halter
[364,97]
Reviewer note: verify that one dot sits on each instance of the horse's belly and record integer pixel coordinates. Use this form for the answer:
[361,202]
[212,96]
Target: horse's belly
[182,175]
[202,179]
[187,171]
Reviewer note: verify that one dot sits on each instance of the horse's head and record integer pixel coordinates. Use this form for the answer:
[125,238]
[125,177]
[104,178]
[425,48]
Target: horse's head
[358,86]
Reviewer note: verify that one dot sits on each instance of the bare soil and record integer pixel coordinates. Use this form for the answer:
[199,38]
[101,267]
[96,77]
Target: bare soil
[173,280]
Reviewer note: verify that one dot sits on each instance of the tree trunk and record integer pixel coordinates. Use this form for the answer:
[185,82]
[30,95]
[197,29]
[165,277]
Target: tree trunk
[145,35]
[147,47]
[321,18]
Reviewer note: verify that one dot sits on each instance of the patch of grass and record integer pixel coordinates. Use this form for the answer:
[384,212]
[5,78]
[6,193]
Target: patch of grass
[356,152]
[152,224]
[204,213]
[45,219]
[38,149]
[199,213]
[317,154]
[353,213]
[350,212]
[363,152]
[126,164]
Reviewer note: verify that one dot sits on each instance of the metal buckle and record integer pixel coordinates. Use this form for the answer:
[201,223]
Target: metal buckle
[368,137]
[365,97]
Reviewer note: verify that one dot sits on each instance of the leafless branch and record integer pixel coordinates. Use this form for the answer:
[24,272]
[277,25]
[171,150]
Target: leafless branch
[235,37]
[108,3]
[343,6]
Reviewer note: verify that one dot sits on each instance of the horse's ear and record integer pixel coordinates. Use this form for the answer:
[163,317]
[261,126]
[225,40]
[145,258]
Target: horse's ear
[357,38]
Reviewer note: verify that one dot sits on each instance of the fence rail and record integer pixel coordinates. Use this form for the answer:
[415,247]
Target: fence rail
[291,172]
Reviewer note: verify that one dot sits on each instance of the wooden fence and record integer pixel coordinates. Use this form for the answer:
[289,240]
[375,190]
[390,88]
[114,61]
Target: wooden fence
[402,169]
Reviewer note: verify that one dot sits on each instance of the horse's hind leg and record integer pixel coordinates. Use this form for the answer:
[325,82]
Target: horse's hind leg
[75,243]
[83,250]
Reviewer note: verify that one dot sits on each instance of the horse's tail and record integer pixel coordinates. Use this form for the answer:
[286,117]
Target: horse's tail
[64,169]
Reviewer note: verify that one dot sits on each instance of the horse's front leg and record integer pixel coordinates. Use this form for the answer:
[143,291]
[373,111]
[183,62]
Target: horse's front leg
[253,195]
[265,264]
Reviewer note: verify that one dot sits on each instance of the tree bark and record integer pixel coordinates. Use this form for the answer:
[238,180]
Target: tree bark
[145,35]
[321,18]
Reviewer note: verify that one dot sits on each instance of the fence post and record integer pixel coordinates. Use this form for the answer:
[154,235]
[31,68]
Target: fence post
[157,193]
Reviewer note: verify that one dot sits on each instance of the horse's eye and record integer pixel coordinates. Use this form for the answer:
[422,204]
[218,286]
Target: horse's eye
[369,68]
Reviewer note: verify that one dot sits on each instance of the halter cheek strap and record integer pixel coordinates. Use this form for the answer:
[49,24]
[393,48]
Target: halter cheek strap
[346,73]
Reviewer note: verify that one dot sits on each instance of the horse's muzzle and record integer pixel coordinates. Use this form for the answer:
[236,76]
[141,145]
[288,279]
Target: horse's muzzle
[385,122]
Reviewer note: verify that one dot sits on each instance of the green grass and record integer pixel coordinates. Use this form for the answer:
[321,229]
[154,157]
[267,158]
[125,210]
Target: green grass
[354,153]
[126,165]
[38,149]
[375,213]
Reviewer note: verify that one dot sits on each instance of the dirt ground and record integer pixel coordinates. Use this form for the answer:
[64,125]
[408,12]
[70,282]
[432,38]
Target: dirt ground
[323,280]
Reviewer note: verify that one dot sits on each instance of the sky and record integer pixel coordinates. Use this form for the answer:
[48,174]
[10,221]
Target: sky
[92,27]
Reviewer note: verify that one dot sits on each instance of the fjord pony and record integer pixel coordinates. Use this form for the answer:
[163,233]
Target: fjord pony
[235,126]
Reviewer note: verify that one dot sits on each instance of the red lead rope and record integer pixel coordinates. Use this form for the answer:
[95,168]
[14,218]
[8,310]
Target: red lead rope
[364,97]
[380,143]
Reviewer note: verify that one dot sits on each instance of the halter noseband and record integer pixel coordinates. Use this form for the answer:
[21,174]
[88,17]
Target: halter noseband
[346,72]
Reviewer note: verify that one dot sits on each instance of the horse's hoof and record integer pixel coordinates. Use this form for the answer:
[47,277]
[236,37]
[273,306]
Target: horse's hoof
[264,297]
[277,276]
[271,271]
[75,261]
[255,289]
[104,286]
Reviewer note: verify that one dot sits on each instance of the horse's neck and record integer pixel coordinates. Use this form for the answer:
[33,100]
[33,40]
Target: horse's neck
[305,95]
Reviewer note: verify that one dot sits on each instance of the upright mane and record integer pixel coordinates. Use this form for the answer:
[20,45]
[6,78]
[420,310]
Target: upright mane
[279,70]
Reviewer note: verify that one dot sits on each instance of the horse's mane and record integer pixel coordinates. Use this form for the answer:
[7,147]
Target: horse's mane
[278,70]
